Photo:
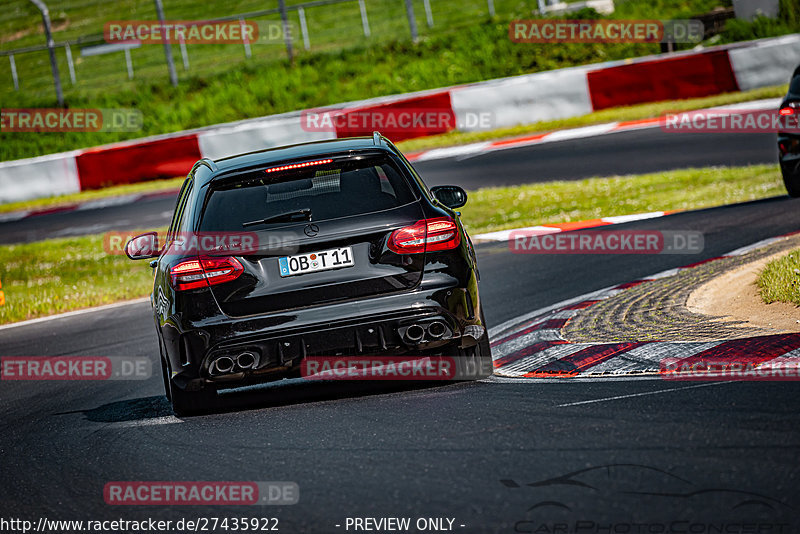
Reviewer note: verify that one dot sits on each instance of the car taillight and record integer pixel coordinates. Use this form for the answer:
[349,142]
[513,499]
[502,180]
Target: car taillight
[428,235]
[203,272]
[789,109]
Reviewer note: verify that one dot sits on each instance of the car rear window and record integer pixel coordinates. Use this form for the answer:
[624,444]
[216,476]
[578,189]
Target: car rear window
[342,188]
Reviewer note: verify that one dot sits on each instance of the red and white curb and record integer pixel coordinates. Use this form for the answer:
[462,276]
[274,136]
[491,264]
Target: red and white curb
[531,346]
[596,130]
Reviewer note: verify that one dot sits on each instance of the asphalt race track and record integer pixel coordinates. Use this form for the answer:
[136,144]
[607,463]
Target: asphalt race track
[494,456]
[631,152]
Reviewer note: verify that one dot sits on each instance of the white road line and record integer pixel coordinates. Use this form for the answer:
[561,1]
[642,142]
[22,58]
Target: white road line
[640,394]
[164,420]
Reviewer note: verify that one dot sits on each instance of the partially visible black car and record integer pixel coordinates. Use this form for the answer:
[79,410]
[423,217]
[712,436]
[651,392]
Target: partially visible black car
[789,143]
[353,255]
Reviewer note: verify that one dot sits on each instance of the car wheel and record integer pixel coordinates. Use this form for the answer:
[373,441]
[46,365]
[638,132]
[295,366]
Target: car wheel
[192,402]
[475,362]
[165,378]
[484,353]
[791,179]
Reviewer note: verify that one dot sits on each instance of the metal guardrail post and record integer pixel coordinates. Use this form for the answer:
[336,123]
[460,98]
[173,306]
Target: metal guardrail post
[287,31]
[412,20]
[364,19]
[14,71]
[129,63]
[303,27]
[428,13]
[247,52]
[51,49]
[491,7]
[70,64]
[173,76]
[184,54]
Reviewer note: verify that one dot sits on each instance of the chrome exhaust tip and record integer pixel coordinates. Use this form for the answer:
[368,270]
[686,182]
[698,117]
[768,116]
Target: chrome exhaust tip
[246,360]
[415,333]
[222,365]
[436,329]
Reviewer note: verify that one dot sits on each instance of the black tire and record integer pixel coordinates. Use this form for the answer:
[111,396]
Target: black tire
[484,353]
[165,378]
[475,363]
[192,402]
[791,179]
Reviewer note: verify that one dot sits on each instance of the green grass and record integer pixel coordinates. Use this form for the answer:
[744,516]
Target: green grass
[500,208]
[60,275]
[65,274]
[779,281]
[641,111]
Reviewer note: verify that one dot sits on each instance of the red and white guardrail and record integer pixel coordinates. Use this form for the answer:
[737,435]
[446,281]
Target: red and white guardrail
[511,101]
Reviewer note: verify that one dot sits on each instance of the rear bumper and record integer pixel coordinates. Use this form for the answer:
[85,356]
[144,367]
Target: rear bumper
[280,341]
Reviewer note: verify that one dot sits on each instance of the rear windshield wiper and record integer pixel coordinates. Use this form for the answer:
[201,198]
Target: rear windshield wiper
[289,216]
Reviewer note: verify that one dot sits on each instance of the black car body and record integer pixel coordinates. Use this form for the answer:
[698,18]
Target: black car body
[225,319]
[789,142]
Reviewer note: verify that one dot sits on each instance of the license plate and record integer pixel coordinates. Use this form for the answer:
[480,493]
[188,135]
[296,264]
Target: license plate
[335,258]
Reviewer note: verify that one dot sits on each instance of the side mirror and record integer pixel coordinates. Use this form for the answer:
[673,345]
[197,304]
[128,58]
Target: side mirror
[143,246]
[451,196]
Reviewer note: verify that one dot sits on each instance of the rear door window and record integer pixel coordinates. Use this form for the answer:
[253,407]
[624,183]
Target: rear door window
[341,188]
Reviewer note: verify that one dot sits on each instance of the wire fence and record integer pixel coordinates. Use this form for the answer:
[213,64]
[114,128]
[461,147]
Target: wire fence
[89,65]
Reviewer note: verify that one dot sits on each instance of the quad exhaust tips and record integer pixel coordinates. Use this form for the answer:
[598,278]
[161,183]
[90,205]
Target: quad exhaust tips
[226,364]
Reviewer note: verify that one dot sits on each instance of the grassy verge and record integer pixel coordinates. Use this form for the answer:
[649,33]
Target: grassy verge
[60,275]
[66,274]
[780,280]
[501,208]
[642,111]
